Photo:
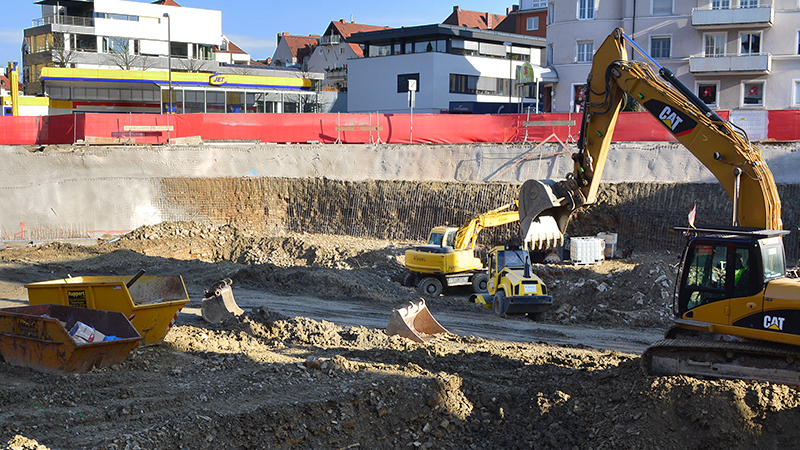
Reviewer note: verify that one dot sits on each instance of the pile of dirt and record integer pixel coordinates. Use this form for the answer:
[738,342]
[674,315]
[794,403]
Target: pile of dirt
[267,380]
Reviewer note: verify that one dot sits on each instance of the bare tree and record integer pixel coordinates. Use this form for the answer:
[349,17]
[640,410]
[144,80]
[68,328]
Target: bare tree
[195,65]
[63,54]
[240,69]
[120,55]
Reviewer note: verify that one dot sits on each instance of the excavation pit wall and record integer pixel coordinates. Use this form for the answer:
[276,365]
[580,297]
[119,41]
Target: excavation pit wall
[395,192]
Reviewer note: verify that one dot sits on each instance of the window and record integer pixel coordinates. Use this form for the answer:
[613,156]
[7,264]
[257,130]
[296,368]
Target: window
[255,102]
[539,3]
[798,42]
[662,7]
[796,93]
[196,102]
[748,3]
[463,84]
[706,275]
[501,87]
[533,23]
[715,45]
[215,102]
[720,4]
[179,50]
[234,101]
[585,49]
[551,13]
[753,93]
[378,50]
[578,97]
[549,55]
[402,81]
[115,45]
[660,47]
[585,9]
[751,43]
[707,92]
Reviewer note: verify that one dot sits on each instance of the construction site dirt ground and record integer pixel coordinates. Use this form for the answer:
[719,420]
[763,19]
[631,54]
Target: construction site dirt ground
[309,366]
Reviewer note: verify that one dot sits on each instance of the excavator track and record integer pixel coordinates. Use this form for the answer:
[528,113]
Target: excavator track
[762,361]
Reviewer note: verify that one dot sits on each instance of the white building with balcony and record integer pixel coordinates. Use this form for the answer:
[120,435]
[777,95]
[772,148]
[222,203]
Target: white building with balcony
[739,55]
[335,50]
[126,35]
[455,70]
[127,56]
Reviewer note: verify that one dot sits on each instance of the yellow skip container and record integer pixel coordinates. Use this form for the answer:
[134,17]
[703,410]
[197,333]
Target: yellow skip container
[151,303]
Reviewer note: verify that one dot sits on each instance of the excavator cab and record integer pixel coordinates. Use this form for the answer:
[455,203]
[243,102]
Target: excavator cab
[724,274]
[442,237]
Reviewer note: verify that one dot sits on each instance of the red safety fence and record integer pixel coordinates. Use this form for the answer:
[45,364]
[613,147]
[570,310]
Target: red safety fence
[344,128]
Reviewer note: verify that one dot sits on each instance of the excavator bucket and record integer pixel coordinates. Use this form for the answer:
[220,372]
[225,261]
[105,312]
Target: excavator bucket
[218,303]
[543,215]
[415,322]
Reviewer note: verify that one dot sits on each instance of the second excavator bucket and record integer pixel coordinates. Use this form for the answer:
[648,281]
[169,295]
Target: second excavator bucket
[415,322]
[218,303]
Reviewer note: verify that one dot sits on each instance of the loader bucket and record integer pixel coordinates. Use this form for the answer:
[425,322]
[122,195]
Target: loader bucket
[415,322]
[218,303]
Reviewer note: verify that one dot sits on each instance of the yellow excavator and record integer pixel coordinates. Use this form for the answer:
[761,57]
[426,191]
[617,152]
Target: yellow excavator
[737,313]
[448,259]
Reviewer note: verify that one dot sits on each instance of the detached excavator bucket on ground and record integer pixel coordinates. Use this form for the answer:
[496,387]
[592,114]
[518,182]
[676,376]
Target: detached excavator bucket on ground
[218,303]
[415,322]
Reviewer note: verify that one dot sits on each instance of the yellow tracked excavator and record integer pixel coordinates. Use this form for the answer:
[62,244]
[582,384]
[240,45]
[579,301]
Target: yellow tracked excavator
[448,259]
[737,313]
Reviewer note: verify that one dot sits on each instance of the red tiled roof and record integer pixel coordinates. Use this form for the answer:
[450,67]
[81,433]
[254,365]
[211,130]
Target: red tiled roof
[300,46]
[357,50]
[233,48]
[473,19]
[5,83]
[166,2]
[345,29]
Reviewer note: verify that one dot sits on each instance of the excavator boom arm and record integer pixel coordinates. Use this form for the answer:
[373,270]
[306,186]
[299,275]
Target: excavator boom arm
[468,233]
[717,144]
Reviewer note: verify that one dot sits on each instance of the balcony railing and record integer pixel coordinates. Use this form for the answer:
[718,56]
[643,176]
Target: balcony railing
[755,17]
[330,40]
[757,63]
[64,20]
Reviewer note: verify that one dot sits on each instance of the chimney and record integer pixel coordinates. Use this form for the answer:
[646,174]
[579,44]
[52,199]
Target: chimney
[489,21]
[341,20]
[456,9]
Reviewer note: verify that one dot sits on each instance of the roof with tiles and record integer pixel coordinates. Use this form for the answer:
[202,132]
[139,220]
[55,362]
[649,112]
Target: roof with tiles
[473,19]
[300,46]
[345,29]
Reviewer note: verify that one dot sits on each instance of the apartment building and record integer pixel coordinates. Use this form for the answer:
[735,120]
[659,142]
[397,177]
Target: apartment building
[334,52]
[529,17]
[454,70]
[293,51]
[739,55]
[128,56]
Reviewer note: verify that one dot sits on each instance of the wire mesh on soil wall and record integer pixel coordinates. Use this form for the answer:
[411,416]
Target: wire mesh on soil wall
[643,214]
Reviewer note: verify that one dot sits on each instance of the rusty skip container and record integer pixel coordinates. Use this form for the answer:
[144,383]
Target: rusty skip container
[36,337]
[151,303]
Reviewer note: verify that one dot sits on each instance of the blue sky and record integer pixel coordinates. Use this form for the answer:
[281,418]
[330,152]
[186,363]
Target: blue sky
[254,25]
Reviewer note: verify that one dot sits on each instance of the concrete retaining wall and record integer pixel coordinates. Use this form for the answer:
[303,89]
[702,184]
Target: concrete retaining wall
[78,192]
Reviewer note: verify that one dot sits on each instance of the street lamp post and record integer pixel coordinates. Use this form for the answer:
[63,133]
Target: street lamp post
[169,61]
[510,74]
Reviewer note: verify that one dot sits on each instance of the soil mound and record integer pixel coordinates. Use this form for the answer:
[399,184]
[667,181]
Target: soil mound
[273,381]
